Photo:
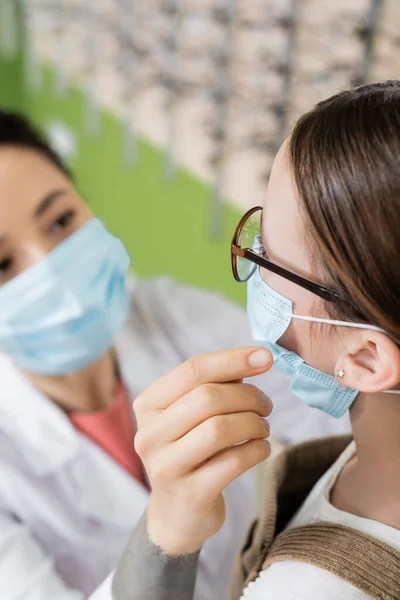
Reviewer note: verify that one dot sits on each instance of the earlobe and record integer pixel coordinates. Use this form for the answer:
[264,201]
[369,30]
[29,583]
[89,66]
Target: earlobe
[372,365]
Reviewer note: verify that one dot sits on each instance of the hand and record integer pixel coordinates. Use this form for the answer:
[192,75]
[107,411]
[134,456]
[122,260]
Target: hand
[199,428]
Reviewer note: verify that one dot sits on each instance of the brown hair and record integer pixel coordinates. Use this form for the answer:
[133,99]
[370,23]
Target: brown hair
[345,157]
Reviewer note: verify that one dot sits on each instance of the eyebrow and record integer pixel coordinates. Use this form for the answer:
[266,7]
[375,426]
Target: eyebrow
[47,202]
[41,208]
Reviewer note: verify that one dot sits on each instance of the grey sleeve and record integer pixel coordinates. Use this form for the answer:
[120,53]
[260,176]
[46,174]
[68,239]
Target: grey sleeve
[145,572]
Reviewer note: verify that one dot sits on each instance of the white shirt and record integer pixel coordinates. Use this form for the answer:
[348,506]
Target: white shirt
[66,507]
[292,580]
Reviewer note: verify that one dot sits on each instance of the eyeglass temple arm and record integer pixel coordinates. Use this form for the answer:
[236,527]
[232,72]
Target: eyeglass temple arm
[323,292]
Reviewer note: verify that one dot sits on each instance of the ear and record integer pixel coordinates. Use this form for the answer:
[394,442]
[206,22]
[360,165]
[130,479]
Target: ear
[371,364]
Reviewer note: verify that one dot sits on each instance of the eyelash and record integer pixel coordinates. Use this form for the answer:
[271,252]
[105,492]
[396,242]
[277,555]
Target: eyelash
[5,264]
[261,250]
[62,221]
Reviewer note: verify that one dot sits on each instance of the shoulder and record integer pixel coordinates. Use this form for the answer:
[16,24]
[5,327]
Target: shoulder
[192,297]
[207,317]
[170,322]
[291,579]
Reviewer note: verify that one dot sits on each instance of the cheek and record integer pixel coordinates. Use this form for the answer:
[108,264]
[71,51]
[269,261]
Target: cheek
[318,345]
[297,339]
[81,218]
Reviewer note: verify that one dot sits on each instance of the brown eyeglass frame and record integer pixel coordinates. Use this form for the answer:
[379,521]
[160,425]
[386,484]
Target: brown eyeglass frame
[265,263]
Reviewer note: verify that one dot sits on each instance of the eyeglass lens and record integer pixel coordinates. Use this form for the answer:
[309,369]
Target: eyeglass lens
[249,238]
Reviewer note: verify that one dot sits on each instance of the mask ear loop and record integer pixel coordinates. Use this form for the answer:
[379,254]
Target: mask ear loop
[347,324]
[342,324]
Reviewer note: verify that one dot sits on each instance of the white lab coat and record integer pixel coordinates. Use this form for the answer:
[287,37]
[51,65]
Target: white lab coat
[66,507]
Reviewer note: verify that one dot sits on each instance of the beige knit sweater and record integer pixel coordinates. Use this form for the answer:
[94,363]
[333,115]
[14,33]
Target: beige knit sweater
[367,563]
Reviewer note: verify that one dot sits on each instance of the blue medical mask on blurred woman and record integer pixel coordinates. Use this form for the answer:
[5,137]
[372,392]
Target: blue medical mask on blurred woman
[63,312]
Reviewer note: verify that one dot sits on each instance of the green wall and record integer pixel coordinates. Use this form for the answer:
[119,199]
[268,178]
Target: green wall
[11,95]
[164,225]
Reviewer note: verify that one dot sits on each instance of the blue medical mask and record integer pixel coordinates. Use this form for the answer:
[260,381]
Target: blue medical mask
[270,315]
[63,313]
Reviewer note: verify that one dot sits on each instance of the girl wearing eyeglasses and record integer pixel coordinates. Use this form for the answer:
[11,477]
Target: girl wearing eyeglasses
[321,260]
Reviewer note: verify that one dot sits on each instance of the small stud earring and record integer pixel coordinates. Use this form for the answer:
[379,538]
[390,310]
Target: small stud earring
[341,373]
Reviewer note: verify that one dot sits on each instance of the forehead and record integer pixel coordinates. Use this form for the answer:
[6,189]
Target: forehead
[283,230]
[24,169]
[25,177]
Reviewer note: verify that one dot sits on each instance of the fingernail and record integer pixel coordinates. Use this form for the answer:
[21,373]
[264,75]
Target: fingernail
[267,401]
[268,444]
[266,425]
[259,358]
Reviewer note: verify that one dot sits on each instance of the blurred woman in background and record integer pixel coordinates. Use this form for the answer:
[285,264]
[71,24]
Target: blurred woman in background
[79,341]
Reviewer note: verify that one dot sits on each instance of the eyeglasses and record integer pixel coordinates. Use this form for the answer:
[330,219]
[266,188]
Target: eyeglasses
[247,252]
